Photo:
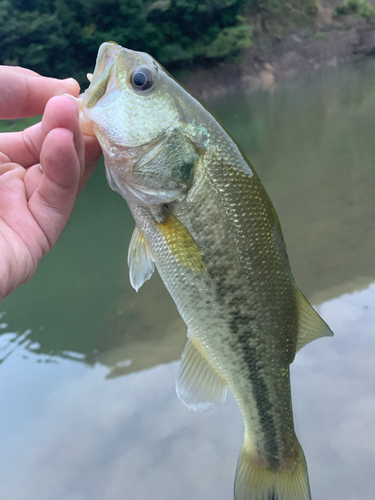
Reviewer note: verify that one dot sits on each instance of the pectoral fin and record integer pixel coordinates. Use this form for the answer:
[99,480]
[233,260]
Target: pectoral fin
[310,324]
[141,265]
[181,244]
[199,385]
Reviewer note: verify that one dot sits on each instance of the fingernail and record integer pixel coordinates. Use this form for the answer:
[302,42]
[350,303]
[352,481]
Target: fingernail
[40,167]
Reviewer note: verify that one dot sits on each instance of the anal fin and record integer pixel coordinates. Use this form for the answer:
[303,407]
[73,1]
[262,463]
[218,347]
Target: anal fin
[141,265]
[199,385]
[310,325]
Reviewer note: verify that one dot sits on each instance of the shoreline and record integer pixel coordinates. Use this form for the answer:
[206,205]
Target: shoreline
[301,52]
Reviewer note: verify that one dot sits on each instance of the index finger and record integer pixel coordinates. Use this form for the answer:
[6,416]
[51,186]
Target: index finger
[19,70]
[25,93]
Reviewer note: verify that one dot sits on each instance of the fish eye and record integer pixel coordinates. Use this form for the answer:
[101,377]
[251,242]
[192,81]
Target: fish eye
[142,78]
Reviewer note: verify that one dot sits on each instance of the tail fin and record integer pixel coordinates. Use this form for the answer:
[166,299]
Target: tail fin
[258,482]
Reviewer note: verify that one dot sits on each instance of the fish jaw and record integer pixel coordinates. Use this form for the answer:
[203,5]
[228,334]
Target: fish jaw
[106,58]
[106,55]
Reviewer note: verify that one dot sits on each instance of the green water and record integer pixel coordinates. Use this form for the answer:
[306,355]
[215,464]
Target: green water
[87,365]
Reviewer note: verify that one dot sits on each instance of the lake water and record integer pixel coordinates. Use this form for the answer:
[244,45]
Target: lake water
[87,365]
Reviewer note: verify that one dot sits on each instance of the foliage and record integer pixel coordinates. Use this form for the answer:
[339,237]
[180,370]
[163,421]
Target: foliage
[18,124]
[362,8]
[61,37]
[228,41]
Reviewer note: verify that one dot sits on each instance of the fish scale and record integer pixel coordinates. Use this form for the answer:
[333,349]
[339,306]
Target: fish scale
[238,331]
[205,220]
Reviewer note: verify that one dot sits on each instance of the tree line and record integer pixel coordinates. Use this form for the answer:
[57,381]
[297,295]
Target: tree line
[61,37]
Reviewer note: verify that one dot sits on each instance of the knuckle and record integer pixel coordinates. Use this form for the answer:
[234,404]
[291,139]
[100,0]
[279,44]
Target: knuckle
[30,146]
[4,158]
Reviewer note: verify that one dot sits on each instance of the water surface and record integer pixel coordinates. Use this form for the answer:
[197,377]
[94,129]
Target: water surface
[88,407]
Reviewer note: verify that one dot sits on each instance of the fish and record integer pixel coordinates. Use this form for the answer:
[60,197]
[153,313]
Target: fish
[204,219]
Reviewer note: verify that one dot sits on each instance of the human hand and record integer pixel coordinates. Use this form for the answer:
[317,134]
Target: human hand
[42,170]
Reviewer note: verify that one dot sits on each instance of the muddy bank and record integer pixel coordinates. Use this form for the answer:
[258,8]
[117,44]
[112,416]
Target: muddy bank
[330,42]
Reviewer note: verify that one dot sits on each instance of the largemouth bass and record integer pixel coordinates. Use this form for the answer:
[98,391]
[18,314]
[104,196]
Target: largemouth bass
[205,220]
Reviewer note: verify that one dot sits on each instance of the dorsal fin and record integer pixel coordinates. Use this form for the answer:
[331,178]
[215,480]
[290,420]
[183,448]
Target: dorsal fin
[198,384]
[141,265]
[310,324]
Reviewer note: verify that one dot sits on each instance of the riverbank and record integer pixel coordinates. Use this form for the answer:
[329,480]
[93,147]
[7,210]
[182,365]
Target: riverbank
[325,42]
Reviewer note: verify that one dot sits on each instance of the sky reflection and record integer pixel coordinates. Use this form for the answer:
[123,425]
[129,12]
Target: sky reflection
[89,410]
[70,433]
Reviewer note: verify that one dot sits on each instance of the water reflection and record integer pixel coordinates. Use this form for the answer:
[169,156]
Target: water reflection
[72,429]
[69,433]
[311,142]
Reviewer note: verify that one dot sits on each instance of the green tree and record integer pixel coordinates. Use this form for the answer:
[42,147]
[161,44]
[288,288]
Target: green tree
[61,37]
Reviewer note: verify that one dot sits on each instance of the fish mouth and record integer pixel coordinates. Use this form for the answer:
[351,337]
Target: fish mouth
[112,58]
[107,56]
